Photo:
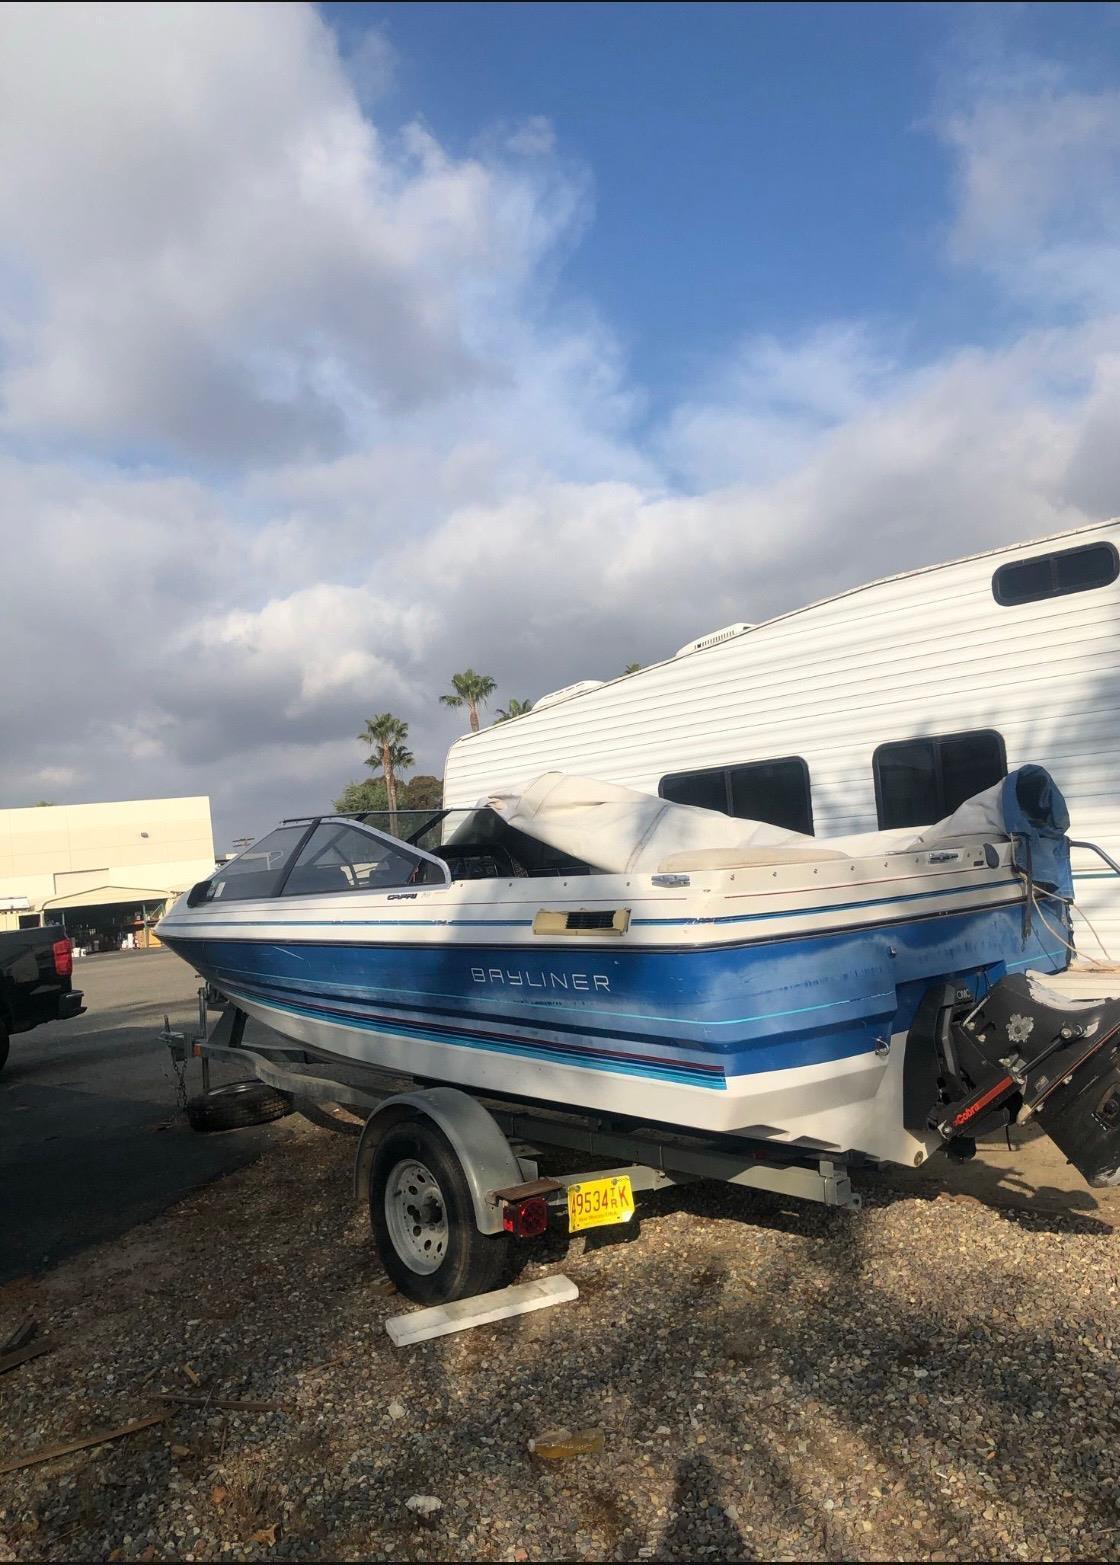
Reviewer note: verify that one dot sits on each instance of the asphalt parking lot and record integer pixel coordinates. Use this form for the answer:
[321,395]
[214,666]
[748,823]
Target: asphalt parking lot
[90,1140]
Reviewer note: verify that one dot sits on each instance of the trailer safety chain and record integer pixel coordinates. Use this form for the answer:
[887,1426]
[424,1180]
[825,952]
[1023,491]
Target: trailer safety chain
[180,1069]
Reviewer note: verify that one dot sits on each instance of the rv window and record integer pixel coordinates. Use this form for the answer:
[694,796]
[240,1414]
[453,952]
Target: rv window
[1053,575]
[919,781]
[707,790]
[339,857]
[773,791]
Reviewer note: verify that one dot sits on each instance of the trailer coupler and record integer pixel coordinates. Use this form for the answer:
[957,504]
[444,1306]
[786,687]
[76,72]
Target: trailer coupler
[1025,1052]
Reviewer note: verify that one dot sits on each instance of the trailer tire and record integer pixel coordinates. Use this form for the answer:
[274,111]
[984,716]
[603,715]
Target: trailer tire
[236,1105]
[5,1045]
[423,1218]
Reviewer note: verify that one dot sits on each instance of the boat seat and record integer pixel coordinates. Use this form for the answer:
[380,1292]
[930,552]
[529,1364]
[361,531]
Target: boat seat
[746,858]
[488,861]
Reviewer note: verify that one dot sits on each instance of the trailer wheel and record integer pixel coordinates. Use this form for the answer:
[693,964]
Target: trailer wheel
[236,1105]
[423,1218]
[5,1045]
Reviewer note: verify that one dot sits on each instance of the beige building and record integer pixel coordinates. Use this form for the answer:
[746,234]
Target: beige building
[103,870]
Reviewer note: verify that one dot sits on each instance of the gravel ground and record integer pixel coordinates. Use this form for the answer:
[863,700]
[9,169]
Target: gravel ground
[931,1378]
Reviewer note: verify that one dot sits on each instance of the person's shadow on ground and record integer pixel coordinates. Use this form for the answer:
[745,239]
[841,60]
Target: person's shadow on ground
[700,1524]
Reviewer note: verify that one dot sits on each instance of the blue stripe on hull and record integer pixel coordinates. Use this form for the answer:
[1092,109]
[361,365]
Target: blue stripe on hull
[685,1015]
[584,1058]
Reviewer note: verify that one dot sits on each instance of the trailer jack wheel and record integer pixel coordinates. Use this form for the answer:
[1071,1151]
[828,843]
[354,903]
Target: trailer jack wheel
[236,1105]
[423,1218]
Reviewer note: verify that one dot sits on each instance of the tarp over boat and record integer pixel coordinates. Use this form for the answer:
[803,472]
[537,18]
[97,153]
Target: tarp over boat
[620,830]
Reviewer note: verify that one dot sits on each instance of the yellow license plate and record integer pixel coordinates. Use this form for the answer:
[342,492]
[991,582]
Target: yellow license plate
[595,1202]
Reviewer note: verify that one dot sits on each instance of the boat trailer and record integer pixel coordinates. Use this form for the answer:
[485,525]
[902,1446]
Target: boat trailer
[450,1176]
[497,1147]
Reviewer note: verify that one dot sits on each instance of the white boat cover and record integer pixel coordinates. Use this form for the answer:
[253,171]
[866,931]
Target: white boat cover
[620,830]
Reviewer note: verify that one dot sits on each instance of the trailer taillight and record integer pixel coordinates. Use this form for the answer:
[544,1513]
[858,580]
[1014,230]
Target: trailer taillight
[527,1218]
[63,953]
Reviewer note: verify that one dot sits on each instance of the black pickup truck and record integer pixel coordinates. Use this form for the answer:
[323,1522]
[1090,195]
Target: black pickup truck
[36,966]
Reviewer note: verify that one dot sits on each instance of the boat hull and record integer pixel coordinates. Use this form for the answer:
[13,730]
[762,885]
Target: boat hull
[799,1039]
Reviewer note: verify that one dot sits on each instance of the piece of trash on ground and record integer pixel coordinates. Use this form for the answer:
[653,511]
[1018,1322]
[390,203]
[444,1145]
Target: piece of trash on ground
[558,1445]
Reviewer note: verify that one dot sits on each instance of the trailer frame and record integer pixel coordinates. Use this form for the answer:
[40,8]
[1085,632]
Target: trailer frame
[503,1144]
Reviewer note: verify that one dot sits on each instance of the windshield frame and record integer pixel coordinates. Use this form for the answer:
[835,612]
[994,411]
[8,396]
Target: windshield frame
[198,898]
[395,846]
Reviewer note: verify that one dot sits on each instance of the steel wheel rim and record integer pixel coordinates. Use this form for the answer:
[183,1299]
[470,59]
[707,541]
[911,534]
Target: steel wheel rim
[416,1216]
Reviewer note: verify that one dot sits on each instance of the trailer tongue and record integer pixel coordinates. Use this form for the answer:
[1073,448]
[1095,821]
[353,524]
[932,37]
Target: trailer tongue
[1026,1052]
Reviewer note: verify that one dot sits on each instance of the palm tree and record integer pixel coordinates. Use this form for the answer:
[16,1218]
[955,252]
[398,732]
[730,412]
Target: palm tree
[470,690]
[515,708]
[632,668]
[386,735]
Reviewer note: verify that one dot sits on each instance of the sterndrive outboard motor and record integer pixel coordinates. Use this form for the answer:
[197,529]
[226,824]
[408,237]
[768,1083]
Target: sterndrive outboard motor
[1022,1053]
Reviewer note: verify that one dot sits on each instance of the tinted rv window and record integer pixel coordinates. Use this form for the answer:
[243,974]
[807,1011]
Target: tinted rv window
[773,791]
[919,781]
[707,790]
[1053,575]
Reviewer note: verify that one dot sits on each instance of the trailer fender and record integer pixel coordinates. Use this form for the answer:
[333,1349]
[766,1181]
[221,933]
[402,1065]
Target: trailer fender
[481,1147]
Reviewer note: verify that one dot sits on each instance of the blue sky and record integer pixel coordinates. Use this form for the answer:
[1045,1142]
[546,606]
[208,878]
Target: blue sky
[755,167]
[342,348]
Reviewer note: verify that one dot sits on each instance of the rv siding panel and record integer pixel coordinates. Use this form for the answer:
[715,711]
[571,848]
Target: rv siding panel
[931,652]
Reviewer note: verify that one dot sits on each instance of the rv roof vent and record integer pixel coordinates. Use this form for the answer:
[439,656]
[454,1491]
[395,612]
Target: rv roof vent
[577,689]
[714,638]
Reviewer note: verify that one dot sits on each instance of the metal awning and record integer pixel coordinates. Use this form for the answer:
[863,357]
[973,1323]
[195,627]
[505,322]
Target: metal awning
[102,896]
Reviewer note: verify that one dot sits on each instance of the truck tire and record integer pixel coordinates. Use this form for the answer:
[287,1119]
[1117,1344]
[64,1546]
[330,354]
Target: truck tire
[423,1219]
[236,1105]
[4,1046]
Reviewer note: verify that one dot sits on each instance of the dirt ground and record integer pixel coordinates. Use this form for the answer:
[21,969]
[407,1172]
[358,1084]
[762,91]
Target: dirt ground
[932,1378]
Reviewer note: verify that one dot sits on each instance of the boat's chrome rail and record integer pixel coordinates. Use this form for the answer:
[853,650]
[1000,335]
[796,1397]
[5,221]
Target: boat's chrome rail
[1095,847]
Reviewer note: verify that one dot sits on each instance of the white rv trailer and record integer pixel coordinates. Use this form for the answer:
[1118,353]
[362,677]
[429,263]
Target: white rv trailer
[883,706]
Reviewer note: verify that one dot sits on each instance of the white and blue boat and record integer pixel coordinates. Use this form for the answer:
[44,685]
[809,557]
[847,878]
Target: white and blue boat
[590,946]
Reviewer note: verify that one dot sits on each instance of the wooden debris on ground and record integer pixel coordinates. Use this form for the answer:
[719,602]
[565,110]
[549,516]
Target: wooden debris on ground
[20,1337]
[48,1453]
[229,1404]
[30,1350]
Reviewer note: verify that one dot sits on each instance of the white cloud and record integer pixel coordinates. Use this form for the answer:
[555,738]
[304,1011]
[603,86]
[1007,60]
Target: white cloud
[222,255]
[1038,167]
[429,457]
[765,407]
